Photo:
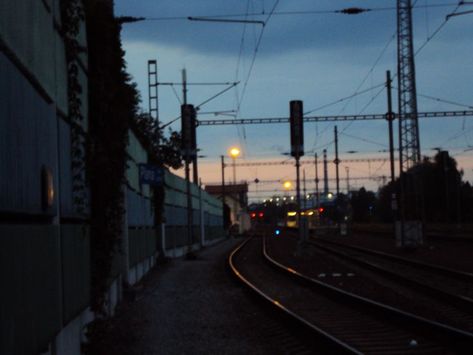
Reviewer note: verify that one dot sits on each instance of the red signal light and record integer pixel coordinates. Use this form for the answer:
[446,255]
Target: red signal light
[261,215]
[253,215]
[321,209]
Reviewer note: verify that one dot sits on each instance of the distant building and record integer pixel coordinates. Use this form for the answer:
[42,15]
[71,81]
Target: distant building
[236,197]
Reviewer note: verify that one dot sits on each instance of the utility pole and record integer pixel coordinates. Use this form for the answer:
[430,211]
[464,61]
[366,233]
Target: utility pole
[184,86]
[304,189]
[325,174]
[390,119]
[186,132]
[347,170]
[222,158]
[337,161]
[316,180]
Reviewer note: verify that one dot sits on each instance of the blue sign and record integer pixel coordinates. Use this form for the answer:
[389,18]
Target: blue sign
[150,174]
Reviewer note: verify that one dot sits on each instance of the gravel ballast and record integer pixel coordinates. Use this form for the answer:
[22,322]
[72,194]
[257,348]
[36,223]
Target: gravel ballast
[191,307]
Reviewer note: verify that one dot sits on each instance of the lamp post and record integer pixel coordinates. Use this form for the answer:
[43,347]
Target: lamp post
[234,153]
[287,185]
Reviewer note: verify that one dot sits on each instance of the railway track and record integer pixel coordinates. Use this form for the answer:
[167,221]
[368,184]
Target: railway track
[453,286]
[341,322]
[442,236]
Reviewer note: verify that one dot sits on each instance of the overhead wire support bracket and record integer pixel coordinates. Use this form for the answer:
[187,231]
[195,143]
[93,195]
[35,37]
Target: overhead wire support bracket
[208,19]
[459,14]
[244,121]
[199,84]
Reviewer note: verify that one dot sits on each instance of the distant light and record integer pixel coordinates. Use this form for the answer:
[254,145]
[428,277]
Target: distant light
[292,198]
[277,199]
[270,200]
[287,185]
[47,187]
[234,152]
[308,196]
[277,232]
[330,195]
[310,213]
[321,209]
[284,199]
[292,213]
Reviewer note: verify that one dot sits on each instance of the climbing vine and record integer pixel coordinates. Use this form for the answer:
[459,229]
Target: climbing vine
[112,103]
[72,17]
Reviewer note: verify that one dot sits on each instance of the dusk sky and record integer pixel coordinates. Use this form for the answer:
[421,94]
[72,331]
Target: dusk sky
[314,55]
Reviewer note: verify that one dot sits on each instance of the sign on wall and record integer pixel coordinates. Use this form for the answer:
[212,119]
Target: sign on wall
[151,174]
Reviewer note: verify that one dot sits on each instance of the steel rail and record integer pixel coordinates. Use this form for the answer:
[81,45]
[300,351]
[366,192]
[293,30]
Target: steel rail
[467,276]
[458,300]
[461,339]
[337,345]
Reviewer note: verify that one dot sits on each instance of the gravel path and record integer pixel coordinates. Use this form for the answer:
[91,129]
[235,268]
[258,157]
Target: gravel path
[192,307]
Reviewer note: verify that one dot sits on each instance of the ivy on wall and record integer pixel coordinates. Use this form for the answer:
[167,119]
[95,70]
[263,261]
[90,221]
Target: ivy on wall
[72,14]
[164,152]
[112,104]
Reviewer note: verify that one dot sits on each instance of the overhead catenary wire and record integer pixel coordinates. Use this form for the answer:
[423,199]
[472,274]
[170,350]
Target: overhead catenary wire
[363,139]
[356,93]
[255,53]
[285,13]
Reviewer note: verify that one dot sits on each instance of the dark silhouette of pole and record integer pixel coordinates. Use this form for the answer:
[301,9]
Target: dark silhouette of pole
[304,189]
[298,197]
[337,161]
[347,170]
[390,118]
[325,174]
[186,117]
[222,158]
[316,180]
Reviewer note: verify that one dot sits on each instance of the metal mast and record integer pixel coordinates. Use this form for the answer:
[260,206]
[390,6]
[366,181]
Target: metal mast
[408,123]
[153,90]
[409,229]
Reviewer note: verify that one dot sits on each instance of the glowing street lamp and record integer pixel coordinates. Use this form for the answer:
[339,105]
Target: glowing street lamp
[287,185]
[234,153]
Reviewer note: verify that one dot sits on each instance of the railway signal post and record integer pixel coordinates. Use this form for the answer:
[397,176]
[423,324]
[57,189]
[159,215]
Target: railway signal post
[188,146]
[297,150]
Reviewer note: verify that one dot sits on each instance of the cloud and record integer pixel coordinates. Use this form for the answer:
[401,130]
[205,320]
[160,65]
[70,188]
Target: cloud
[284,33]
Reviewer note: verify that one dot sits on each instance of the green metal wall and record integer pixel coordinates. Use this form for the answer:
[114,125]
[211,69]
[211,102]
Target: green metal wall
[143,243]
[46,278]
[30,300]
[75,258]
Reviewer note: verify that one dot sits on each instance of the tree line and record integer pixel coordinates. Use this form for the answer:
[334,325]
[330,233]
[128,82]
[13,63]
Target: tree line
[433,191]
